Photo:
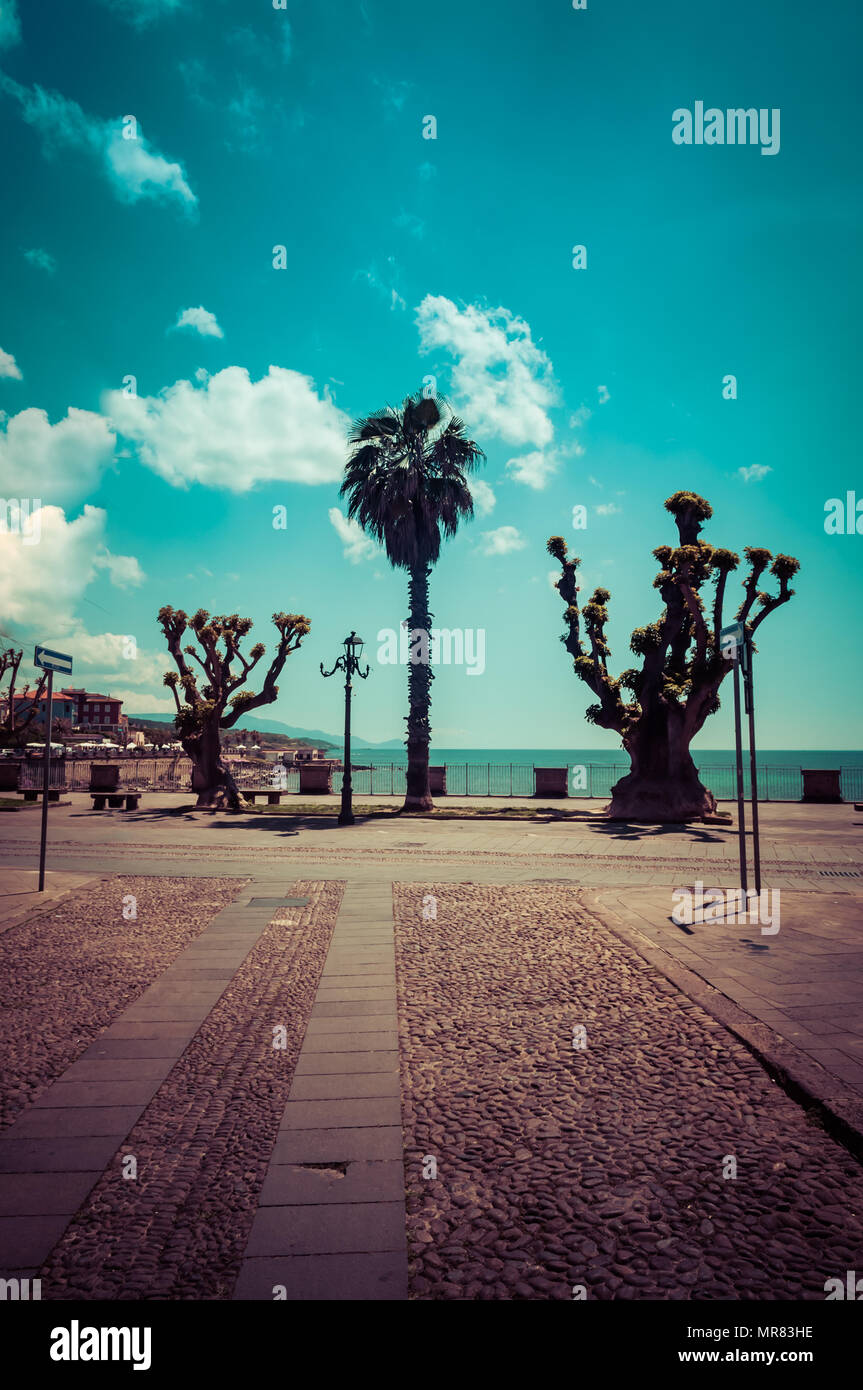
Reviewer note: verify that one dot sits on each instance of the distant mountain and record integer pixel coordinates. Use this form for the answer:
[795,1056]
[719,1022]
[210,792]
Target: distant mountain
[273,726]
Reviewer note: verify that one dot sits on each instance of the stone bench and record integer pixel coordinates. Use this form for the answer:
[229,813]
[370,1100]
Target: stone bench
[273,794]
[34,793]
[116,800]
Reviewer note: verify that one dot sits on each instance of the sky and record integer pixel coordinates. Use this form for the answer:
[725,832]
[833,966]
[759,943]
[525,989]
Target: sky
[231,227]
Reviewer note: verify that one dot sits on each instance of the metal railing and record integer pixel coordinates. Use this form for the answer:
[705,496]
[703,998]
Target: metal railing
[775,783]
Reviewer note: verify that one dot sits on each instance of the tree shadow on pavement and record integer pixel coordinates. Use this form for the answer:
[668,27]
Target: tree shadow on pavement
[628,830]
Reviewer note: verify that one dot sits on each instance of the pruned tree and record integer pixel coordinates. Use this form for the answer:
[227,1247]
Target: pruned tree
[682,667]
[203,711]
[17,714]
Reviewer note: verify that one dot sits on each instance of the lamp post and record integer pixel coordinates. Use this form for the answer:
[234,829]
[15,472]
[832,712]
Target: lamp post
[350,664]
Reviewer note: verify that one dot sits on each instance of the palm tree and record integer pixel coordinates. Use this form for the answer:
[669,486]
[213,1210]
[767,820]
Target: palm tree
[405,481]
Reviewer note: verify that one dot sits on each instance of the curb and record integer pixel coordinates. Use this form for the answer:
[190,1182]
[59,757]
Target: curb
[40,909]
[839,1109]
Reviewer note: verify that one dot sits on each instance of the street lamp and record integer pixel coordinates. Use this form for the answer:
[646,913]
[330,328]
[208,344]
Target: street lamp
[350,664]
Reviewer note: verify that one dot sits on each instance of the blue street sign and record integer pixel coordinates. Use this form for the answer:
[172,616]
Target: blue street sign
[47,660]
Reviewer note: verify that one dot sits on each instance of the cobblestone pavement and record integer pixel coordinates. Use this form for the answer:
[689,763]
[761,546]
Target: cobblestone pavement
[179,1228]
[608,1168]
[68,972]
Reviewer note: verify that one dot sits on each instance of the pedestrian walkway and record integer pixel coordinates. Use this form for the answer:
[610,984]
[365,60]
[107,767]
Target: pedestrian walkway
[805,982]
[58,1148]
[331,1218]
[20,896]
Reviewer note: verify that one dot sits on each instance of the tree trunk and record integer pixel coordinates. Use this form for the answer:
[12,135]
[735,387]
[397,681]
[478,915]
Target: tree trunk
[663,784]
[418,797]
[211,777]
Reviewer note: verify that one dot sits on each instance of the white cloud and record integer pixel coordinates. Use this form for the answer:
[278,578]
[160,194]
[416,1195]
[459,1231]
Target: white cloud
[579,417]
[229,431]
[10,24]
[140,702]
[607,509]
[483,497]
[41,584]
[754,473]
[43,260]
[133,169]
[534,470]
[124,570]
[603,394]
[53,462]
[553,576]
[409,222]
[201,320]
[8,366]
[358,546]
[506,382]
[384,285]
[503,541]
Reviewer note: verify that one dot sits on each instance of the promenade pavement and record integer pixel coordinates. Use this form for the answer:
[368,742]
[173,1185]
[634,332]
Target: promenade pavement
[330,1218]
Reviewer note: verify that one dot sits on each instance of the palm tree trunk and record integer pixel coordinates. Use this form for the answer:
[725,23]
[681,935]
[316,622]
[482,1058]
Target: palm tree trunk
[418,797]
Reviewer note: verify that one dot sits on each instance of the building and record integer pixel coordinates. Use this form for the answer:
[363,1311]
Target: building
[64,707]
[305,755]
[95,713]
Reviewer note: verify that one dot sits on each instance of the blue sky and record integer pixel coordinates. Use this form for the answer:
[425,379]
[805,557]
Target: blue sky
[152,258]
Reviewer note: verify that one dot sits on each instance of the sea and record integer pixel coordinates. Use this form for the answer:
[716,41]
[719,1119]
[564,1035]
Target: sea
[795,758]
[509,771]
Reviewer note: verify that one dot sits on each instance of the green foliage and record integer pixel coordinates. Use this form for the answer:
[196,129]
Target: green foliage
[784,567]
[725,560]
[646,639]
[557,547]
[680,502]
[405,478]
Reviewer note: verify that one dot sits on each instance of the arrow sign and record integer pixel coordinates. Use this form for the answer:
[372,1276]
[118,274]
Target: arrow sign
[47,660]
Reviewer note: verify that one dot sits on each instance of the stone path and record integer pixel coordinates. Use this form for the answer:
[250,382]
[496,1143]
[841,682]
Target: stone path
[20,896]
[53,1155]
[805,983]
[330,1215]
[576,1127]
[331,1218]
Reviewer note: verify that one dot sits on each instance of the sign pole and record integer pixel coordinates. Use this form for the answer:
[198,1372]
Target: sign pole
[46,778]
[748,689]
[741,805]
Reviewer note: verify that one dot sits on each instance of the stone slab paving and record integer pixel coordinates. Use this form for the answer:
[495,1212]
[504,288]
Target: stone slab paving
[20,896]
[56,1151]
[805,982]
[331,1216]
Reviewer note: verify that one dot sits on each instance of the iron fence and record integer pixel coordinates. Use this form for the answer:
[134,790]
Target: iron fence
[775,782]
[851,783]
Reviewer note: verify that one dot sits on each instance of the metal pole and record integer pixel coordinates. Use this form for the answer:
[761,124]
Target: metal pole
[46,778]
[741,809]
[748,686]
[346,815]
